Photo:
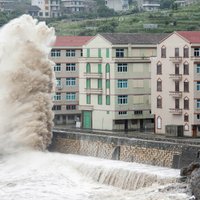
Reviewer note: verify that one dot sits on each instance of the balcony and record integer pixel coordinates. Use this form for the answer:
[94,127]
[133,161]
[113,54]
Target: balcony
[176,111]
[93,75]
[176,77]
[176,59]
[195,58]
[91,60]
[176,94]
[59,87]
[93,90]
[131,59]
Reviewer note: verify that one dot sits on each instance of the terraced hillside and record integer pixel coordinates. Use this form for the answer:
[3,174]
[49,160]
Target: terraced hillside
[187,18]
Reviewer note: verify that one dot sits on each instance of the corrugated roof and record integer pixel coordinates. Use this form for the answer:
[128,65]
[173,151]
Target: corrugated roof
[191,36]
[134,38]
[71,41]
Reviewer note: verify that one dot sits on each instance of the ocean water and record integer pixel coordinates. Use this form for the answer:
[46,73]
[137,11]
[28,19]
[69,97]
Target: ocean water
[34,175]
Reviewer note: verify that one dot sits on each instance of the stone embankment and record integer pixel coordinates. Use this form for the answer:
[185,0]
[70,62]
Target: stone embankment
[154,151]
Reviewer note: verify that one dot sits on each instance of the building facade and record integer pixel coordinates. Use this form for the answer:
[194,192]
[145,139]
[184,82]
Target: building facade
[114,81]
[65,53]
[73,6]
[176,84]
[117,5]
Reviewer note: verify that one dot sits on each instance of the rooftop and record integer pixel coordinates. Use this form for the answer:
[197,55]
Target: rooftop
[71,41]
[134,38]
[191,36]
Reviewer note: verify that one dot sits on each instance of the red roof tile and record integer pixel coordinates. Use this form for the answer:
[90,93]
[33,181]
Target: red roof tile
[71,41]
[191,36]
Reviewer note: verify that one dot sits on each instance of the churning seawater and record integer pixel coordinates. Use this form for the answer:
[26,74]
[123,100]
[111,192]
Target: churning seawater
[54,176]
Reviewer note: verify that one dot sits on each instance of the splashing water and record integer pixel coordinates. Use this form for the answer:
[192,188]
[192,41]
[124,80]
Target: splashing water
[26,84]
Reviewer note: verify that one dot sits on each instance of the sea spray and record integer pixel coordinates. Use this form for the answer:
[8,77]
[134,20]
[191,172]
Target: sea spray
[26,85]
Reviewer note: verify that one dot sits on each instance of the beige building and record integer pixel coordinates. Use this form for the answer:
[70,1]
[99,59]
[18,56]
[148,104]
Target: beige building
[114,81]
[65,53]
[176,84]
[117,5]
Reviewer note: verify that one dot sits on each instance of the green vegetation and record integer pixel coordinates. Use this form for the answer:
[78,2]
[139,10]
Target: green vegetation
[186,18]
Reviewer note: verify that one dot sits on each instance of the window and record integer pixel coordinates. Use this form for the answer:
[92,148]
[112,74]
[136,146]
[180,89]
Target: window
[198,68]
[107,84]
[100,99]
[159,122]
[99,53]
[122,113]
[81,54]
[185,69]
[198,85]
[99,69]
[88,68]
[107,100]
[88,83]
[70,81]
[70,53]
[57,96]
[70,67]
[186,52]
[88,53]
[55,53]
[56,107]
[70,107]
[198,116]
[177,69]
[88,99]
[176,52]
[99,83]
[198,103]
[122,83]
[177,103]
[119,53]
[122,99]
[138,112]
[159,68]
[107,68]
[122,67]
[159,102]
[186,86]
[186,103]
[186,118]
[196,52]
[57,67]
[176,86]
[107,53]
[159,85]
[163,52]
[58,81]
[70,96]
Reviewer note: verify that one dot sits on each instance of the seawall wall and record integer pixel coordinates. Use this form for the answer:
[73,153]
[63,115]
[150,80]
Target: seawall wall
[159,153]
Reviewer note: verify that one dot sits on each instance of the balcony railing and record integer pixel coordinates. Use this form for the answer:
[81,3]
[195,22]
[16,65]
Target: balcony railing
[176,94]
[93,90]
[131,59]
[91,59]
[93,75]
[176,111]
[176,59]
[175,76]
[195,58]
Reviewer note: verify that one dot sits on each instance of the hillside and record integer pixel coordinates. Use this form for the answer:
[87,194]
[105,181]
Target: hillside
[186,18]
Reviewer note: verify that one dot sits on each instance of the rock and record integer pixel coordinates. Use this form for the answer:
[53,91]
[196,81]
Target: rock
[193,174]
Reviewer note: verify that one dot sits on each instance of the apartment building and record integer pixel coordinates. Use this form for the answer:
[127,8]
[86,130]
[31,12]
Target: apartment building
[7,5]
[72,6]
[65,53]
[176,84]
[117,5]
[114,81]
[48,8]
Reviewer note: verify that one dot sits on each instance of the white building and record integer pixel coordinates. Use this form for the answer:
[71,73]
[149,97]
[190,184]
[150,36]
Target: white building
[117,5]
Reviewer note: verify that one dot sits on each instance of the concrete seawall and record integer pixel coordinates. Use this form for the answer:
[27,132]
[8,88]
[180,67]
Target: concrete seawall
[160,153]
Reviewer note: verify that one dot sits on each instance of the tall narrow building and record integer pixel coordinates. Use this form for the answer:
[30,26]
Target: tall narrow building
[176,85]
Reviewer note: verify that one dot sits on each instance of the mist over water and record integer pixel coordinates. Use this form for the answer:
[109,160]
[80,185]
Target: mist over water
[26,84]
